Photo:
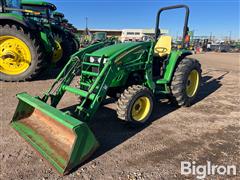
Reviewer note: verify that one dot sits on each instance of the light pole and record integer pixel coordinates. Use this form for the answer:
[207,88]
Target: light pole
[210,36]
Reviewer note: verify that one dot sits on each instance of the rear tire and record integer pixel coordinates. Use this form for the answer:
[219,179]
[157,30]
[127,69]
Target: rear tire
[186,82]
[75,44]
[34,48]
[66,48]
[135,105]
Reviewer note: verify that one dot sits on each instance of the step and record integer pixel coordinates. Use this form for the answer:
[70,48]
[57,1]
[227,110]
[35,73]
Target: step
[78,92]
[91,64]
[88,73]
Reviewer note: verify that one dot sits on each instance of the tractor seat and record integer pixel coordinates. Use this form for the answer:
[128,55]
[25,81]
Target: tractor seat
[163,46]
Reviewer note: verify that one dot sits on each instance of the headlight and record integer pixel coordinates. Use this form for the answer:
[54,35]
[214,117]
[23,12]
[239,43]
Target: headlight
[105,60]
[97,60]
[92,59]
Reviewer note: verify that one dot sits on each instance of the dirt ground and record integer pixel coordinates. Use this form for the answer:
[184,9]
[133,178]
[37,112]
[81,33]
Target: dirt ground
[207,131]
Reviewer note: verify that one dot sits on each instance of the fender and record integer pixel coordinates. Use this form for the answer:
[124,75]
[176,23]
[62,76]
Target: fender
[174,59]
[9,17]
[47,41]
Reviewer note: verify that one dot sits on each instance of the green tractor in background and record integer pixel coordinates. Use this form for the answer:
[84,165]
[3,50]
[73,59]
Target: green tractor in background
[25,42]
[65,44]
[97,37]
[30,39]
[141,72]
[70,31]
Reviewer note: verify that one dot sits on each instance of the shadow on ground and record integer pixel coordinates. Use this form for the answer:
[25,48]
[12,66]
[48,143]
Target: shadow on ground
[48,74]
[111,132]
[210,84]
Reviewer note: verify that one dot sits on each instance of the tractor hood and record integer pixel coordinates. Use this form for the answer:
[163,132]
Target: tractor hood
[117,49]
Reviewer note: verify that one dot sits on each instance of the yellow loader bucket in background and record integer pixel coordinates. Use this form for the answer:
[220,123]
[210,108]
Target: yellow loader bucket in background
[62,140]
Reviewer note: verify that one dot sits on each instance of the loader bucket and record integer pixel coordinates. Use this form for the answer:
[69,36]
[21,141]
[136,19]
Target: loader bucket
[62,140]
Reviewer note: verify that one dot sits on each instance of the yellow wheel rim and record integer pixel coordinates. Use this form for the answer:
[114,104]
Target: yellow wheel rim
[15,55]
[192,83]
[57,53]
[141,108]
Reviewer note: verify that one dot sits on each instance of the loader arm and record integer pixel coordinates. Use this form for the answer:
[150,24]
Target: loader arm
[67,74]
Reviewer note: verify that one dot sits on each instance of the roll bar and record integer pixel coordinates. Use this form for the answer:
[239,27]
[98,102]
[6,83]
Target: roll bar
[185,28]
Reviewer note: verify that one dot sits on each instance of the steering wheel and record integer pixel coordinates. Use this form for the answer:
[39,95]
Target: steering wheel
[161,49]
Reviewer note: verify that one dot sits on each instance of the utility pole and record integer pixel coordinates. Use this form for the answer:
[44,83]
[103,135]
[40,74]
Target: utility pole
[86,29]
[230,34]
[86,19]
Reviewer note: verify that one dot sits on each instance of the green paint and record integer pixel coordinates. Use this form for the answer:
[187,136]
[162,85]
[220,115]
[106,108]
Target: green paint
[113,49]
[47,27]
[173,59]
[32,23]
[46,41]
[122,61]
[83,134]
[40,145]
[117,66]
[77,91]
[12,15]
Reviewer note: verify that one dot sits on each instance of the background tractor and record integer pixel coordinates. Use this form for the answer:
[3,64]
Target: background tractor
[66,43]
[24,42]
[141,72]
[31,38]
[69,29]
[89,39]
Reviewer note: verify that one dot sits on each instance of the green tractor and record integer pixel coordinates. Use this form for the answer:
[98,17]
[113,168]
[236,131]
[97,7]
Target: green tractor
[102,37]
[69,30]
[24,42]
[64,45]
[29,40]
[96,38]
[140,71]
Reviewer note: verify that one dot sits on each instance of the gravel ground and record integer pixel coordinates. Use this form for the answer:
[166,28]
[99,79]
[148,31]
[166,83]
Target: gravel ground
[207,131]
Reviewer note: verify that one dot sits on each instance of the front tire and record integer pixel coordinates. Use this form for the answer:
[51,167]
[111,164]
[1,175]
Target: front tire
[186,82]
[135,105]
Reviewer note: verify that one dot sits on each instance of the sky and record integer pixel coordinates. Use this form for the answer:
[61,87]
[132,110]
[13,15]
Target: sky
[219,17]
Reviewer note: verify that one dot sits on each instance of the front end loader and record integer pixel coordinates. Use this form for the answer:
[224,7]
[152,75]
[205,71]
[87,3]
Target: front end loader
[137,73]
